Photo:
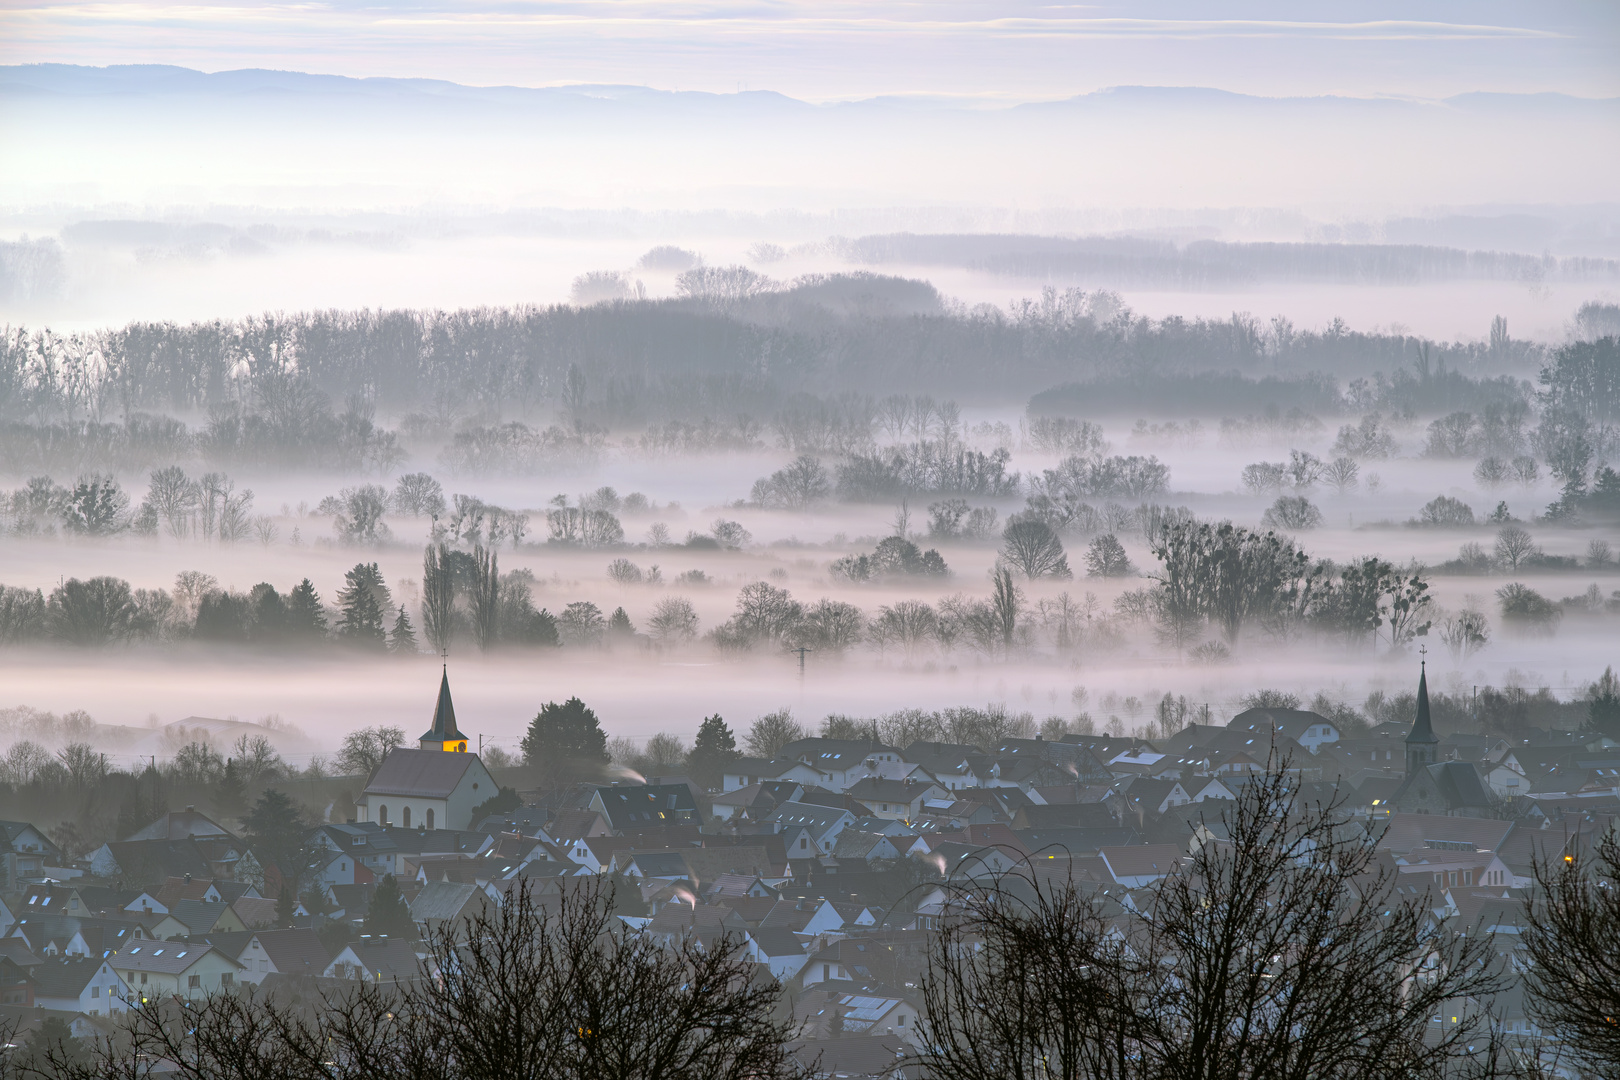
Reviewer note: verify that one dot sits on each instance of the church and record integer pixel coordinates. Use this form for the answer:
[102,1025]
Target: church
[1452,788]
[435,786]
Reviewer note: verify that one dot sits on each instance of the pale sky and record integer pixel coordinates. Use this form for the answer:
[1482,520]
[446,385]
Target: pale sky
[837,49]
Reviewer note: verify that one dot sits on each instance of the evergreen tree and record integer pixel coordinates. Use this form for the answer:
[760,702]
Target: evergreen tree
[389,915]
[278,831]
[269,613]
[714,748]
[304,618]
[403,639]
[619,625]
[232,795]
[565,733]
[361,620]
[1603,705]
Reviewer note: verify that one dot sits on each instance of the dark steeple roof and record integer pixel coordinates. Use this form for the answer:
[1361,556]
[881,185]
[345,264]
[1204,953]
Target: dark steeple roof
[1421,731]
[444,716]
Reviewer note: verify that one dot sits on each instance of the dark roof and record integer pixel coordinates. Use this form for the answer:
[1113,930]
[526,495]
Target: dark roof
[431,774]
[65,977]
[637,805]
[296,950]
[444,716]
[1460,785]
[1291,722]
[199,916]
[777,941]
[1421,731]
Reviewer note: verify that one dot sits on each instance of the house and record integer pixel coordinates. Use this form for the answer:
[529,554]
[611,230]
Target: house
[877,1014]
[953,765]
[638,807]
[754,801]
[898,800]
[1457,869]
[366,844]
[1142,864]
[382,959]
[832,916]
[25,854]
[838,763]
[80,984]
[1311,730]
[262,953]
[809,830]
[443,903]
[778,948]
[203,917]
[1146,796]
[179,969]
[427,789]
[17,983]
[856,846]
[187,824]
[743,771]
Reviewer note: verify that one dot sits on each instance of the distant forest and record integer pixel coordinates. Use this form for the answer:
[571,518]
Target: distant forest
[735,353]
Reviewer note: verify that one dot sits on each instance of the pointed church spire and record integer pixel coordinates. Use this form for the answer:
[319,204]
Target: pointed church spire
[1420,742]
[444,735]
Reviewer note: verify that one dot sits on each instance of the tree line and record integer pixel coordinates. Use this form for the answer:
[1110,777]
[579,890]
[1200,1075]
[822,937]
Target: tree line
[272,378]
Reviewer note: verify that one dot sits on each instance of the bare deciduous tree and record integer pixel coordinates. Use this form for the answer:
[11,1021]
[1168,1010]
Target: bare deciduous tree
[1030,545]
[1573,939]
[1280,951]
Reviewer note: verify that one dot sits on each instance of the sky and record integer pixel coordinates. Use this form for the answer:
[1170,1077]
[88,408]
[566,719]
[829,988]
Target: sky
[1006,50]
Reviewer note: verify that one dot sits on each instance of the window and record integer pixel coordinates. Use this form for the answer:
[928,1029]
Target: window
[95,991]
[405,817]
[193,982]
[225,978]
[382,814]
[143,978]
[430,818]
[1468,877]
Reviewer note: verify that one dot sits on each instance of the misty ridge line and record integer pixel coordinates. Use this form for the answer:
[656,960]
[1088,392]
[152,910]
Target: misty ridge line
[163,79]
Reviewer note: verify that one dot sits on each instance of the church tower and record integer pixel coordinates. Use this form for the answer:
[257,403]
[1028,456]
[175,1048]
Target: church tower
[444,735]
[1421,742]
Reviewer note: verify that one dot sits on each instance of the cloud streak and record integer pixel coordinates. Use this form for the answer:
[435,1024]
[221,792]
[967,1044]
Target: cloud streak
[840,50]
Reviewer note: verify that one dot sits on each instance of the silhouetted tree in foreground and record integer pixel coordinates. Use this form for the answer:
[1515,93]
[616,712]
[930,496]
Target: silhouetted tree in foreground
[522,991]
[1573,939]
[1281,952]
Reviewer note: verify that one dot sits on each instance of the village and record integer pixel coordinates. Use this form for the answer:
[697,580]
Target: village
[830,868]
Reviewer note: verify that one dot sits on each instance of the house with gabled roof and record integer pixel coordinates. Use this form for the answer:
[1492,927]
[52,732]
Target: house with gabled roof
[442,904]
[174,968]
[638,807]
[379,959]
[187,824]
[838,763]
[80,984]
[262,953]
[778,948]
[809,830]
[1310,730]
[898,800]
[952,765]
[740,772]
[1141,864]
